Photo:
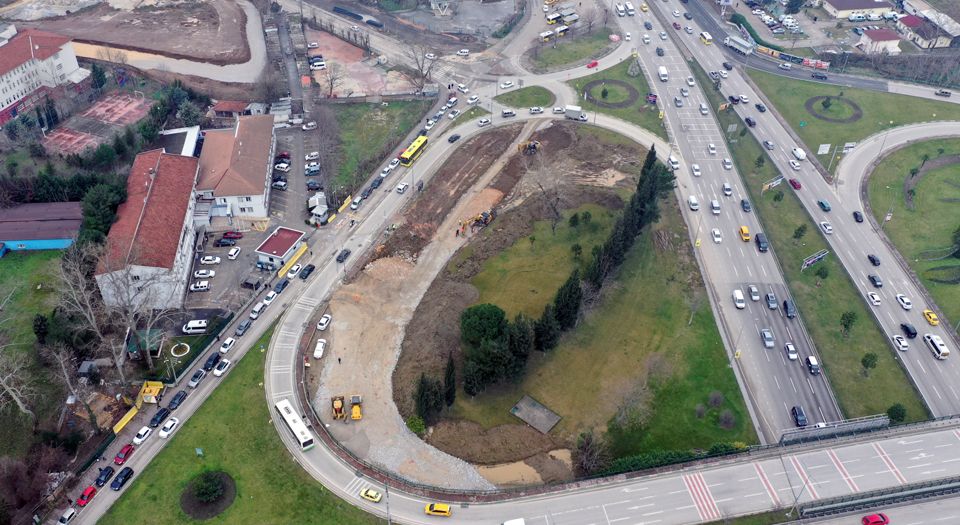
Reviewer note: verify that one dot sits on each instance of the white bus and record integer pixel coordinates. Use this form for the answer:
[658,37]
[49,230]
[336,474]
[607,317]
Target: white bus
[294,424]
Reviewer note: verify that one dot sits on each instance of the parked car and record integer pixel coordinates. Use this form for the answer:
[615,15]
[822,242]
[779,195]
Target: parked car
[125,452]
[233,253]
[220,243]
[168,427]
[324,322]
[307,270]
[105,474]
[243,327]
[142,435]
[162,413]
[204,274]
[227,345]
[342,256]
[221,368]
[177,400]
[294,270]
[209,259]
[86,496]
[281,285]
[196,378]
[208,365]
[122,478]
[232,235]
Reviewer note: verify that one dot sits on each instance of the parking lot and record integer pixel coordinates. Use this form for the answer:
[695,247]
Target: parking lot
[819,29]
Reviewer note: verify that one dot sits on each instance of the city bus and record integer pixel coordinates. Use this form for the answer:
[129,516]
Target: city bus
[562,30]
[706,38]
[553,18]
[545,36]
[296,427]
[414,151]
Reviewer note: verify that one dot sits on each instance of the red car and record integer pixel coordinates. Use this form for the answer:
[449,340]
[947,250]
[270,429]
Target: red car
[795,183]
[87,495]
[124,454]
[232,235]
[283,154]
[875,519]
[676,26]
[592,64]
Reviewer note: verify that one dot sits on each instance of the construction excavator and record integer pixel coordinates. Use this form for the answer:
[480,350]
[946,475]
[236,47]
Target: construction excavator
[530,147]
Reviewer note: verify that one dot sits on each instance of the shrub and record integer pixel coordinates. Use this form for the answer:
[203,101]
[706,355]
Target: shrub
[416,425]
[208,486]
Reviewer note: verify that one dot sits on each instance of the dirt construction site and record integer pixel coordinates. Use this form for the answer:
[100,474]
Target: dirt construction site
[418,300]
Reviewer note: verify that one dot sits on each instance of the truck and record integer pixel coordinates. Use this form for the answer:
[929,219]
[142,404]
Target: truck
[662,73]
[337,404]
[574,113]
[319,211]
[356,412]
[738,44]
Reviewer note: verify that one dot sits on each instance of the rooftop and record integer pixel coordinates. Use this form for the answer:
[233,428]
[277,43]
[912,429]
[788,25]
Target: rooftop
[40,221]
[911,21]
[927,30]
[280,242]
[844,5]
[150,222]
[230,106]
[27,44]
[881,35]
[236,161]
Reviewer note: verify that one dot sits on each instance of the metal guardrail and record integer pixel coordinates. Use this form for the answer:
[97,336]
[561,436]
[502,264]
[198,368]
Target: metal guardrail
[872,499]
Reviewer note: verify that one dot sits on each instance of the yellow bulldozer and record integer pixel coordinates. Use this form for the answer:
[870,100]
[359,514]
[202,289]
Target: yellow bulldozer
[337,403]
[530,147]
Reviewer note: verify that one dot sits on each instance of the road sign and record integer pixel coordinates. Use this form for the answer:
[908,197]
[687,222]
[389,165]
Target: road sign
[814,259]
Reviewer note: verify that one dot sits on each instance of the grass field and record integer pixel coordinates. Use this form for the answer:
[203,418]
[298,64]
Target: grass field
[822,301]
[28,281]
[621,363]
[570,49]
[234,430]
[639,113]
[526,97]
[923,232]
[473,113]
[880,111]
[767,518]
[366,128]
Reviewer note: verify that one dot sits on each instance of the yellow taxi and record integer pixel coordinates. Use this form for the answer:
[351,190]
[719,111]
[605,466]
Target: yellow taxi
[371,495]
[438,509]
[931,317]
[643,7]
[745,234]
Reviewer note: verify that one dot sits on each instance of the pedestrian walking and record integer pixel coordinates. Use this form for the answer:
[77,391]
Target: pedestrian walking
[339,361]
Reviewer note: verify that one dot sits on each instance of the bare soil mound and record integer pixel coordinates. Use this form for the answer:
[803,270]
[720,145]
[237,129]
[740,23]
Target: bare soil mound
[200,510]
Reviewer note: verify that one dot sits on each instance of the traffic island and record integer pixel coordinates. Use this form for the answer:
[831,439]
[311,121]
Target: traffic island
[208,495]
[845,111]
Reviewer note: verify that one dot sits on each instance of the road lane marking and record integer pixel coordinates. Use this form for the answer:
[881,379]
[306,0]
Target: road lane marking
[767,485]
[889,463]
[843,470]
[700,493]
[803,476]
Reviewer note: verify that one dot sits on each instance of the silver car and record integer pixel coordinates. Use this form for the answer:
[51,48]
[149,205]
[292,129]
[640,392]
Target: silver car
[766,335]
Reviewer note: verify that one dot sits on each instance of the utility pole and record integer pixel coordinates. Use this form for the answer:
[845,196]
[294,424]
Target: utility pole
[386,488]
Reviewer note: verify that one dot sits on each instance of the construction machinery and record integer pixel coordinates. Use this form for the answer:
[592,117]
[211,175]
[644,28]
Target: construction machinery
[337,403]
[356,412]
[530,147]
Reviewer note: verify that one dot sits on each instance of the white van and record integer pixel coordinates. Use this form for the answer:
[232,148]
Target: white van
[704,109]
[508,113]
[856,18]
[693,203]
[197,326]
[936,345]
[873,17]
[518,521]
[673,163]
[257,310]
[356,203]
[68,516]
[738,299]
[715,207]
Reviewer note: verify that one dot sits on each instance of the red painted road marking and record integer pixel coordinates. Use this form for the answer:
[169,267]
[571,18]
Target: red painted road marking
[889,462]
[774,498]
[843,471]
[706,506]
[956,433]
[803,475]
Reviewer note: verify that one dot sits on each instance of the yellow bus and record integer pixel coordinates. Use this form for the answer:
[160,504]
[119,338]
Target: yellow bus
[562,30]
[553,18]
[706,38]
[414,151]
[545,36]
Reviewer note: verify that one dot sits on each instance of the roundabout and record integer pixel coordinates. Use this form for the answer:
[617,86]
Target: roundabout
[619,93]
[848,113]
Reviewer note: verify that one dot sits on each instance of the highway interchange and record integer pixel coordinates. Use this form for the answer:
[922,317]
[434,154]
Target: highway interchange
[771,383]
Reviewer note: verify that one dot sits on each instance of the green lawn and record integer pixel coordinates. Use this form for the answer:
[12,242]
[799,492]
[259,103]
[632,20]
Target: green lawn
[822,301]
[30,280]
[622,362]
[767,518]
[234,430]
[473,113]
[526,97]
[880,111]
[639,113]
[366,129]
[569,50]
[924,232]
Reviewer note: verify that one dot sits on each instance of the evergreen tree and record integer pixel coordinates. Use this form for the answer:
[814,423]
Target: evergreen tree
[546,330]
[472,378]
[98,77]
[650,161]
[567,301]
[482,321]
[520,343]
[450,382]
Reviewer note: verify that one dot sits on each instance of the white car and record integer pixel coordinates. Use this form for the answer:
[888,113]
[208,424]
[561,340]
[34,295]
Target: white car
[169,427]
[483,122]
[690,81]
[402,187]
[142,435]
[313,166]
[221,368]
[874,298]
[712,149]
[663,35]
[727,164]
[268,299]
[791,352]
[558,110]
[309,126]
[318,350]
[727,189]
[385,171]
[904,301]
[355,28]
[766,335]
[676,14]
[394,163]
[227,345]
[294,271]
[536,110]
[463,88]
[200,286]
[626,36]
[723,73]
[324,322]
[233,253]
[313,45]
[430,124]
[430,56]
[454,114]
[463,53]
[826,227]
[209,259]
[506,84]
[695,168]
[744,99]
[204,274]
[313,155]
[795,165]
[900,343]
[282,167]
[645,38]
[473,99]
[717,237]
[688,30]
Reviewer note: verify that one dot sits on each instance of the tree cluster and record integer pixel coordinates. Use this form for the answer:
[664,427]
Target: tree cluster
[23,481]
[496,349]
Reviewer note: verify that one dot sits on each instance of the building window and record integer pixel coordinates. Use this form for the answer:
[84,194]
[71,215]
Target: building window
[21,246]
[247,199]
[246,210]
[59,66]
[136,277]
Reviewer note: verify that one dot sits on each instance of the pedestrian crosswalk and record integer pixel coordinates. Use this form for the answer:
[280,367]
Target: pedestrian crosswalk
[357,485]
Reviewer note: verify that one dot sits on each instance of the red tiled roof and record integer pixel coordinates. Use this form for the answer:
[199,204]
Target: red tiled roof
[17,50]
[231,106]
[280,241]
[881,35]
[236,162]
[911,21]
[150,222]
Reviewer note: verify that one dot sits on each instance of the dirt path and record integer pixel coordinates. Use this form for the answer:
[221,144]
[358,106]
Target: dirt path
[368,346]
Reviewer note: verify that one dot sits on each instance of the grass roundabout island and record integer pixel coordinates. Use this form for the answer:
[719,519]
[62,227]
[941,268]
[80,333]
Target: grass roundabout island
[838,110]
[208,494]
[619,94]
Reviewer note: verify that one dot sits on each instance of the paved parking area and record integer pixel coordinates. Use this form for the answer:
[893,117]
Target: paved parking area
[288,208]
[225,290]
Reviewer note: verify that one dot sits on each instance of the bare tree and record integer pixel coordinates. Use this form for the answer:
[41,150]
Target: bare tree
[109,54]
[589,17]
[333,78]
[267,87]
[606,16]
[16,383]
[66,367]
[421,67]
[328,128]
